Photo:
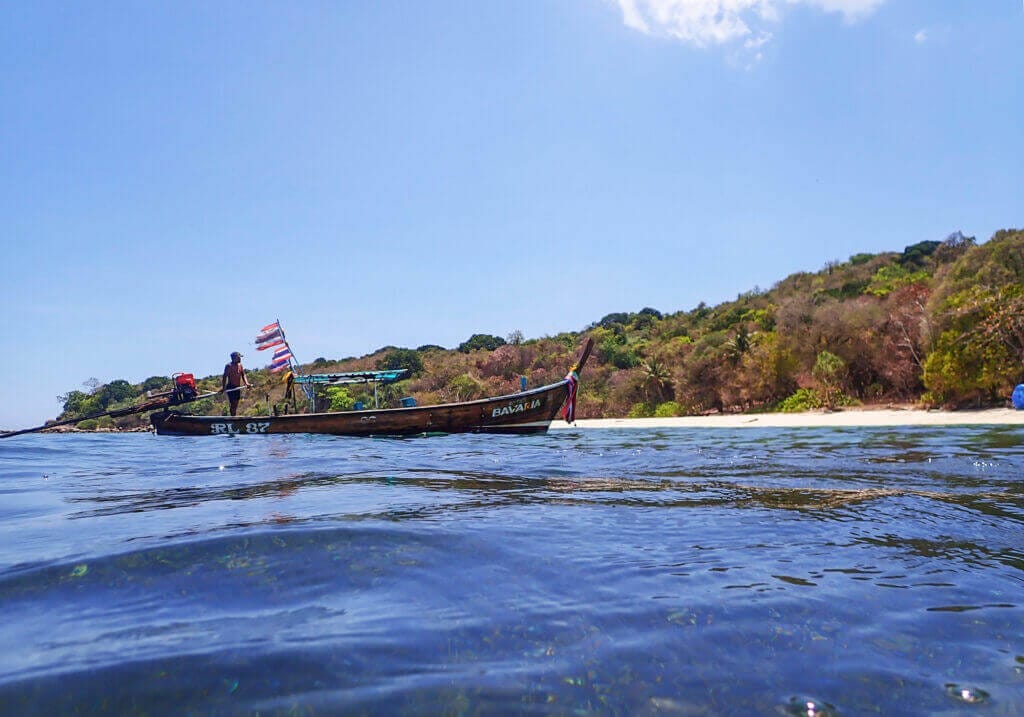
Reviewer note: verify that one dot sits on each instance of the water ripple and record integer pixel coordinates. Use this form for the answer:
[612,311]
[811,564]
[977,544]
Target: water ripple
[806,571]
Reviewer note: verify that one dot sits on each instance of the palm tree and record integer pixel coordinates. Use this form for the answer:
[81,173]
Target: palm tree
[738,344]
[657,378]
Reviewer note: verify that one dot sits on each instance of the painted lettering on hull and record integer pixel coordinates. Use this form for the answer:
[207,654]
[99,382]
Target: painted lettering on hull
[229,428]
[512,408]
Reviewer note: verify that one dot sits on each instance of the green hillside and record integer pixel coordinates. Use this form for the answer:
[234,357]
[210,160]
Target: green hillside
[940,323]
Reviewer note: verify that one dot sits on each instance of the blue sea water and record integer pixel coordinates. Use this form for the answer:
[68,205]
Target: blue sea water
[607,572]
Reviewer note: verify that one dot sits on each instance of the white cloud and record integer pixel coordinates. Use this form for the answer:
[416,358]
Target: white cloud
[755,43]
[632,16]
[718,22]
[852,10]
[698,22]
[921,36]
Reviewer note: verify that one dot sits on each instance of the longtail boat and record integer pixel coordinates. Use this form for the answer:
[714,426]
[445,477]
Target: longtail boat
[524,412]
[184,391]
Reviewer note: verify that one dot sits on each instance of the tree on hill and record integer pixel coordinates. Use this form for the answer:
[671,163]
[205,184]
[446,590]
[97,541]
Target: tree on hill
[907,336]
[993,264]
[657,380]
[481,341]
[829,371]
[974,305]
[953,247]
[979,355]
[396,358]
[155,382]
[916,255]
[116,391]
[621,318]
[76,403]
[767,371]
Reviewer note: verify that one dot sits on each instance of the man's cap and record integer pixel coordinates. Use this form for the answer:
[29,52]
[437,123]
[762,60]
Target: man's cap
[235,353]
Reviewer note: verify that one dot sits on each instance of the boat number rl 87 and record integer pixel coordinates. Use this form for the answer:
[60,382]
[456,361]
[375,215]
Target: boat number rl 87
[229,428]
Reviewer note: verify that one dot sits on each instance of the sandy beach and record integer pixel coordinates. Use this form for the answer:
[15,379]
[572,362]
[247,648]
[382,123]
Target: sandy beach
[817,419]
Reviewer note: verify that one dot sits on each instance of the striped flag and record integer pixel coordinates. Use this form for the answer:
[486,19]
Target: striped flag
[268,330]
[269,336]
[282,359]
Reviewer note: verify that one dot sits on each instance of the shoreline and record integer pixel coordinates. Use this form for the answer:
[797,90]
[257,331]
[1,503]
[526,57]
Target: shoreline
[842,418]
[845,418]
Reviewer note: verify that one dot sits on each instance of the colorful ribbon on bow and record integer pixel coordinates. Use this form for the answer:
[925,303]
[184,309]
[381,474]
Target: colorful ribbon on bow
[569,410]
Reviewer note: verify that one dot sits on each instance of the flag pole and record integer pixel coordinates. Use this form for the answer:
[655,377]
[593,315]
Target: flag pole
[293,362]
[293,366]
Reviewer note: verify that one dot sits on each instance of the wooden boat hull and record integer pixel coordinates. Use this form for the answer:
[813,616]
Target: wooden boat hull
[525,412]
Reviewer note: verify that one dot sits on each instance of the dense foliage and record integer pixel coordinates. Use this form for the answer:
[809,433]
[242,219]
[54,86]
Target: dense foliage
[940,323]
[481,341]
[395,359]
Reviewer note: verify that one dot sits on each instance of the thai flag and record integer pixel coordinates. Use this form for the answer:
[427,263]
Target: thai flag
[280,364]
[282,359]
[269,333]
[271,344]
[268,336]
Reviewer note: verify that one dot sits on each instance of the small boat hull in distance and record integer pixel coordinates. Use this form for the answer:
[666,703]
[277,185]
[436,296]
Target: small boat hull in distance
[525,412]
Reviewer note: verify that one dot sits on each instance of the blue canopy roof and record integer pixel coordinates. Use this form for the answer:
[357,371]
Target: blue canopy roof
[354,377]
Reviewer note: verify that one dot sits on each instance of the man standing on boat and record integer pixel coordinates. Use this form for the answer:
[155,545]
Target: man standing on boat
[233,381]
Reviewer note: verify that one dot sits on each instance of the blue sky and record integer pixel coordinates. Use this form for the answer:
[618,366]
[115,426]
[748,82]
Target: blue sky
[176,175]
